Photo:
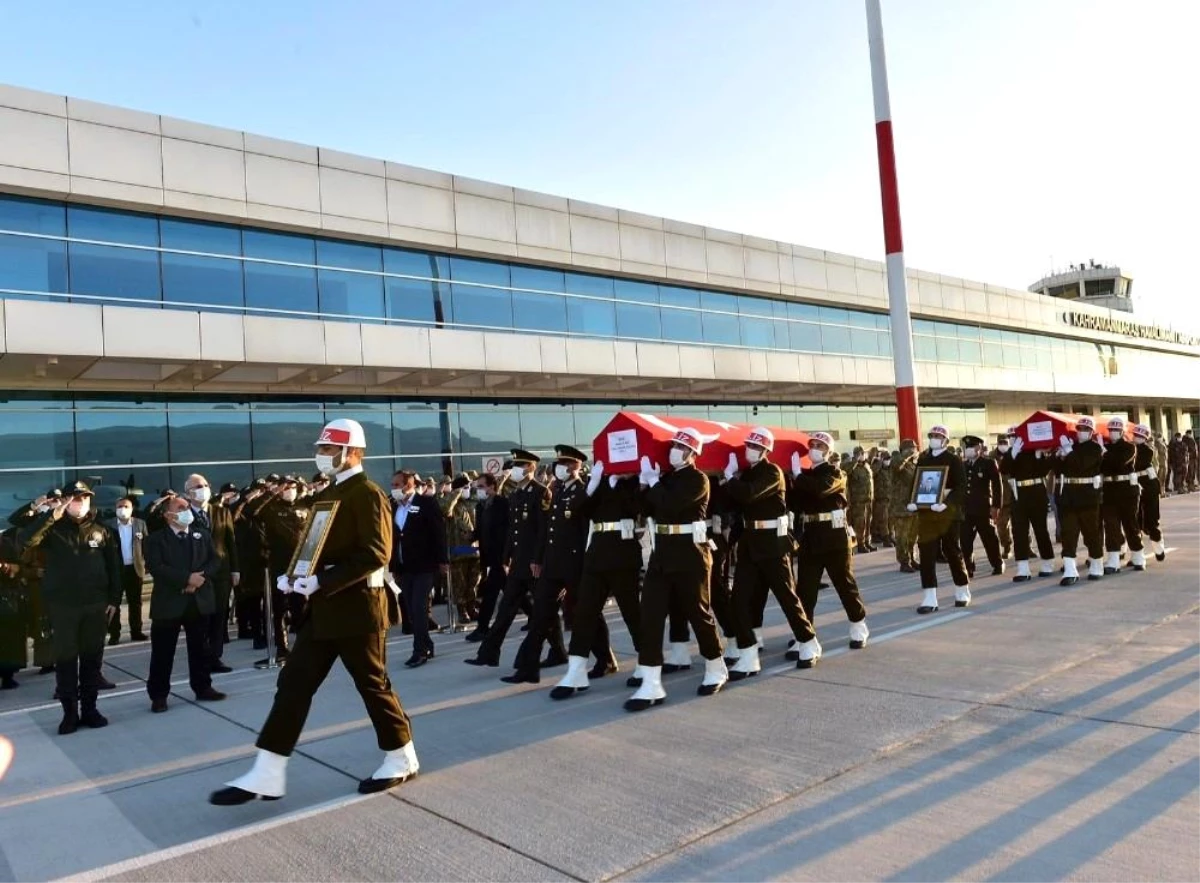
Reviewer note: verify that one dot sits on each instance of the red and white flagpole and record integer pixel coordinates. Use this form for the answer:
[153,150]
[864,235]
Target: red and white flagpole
[897,283]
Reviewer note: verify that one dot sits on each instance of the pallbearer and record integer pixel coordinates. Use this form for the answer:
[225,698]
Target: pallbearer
[938,525]
[818,497]
[680,565]
[346,617]
[1147,466]
[982,505]
[1121,499]
[1079,502]
[1025,471]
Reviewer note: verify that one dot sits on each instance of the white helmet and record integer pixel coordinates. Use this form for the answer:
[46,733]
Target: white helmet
[762,437]
[346,433]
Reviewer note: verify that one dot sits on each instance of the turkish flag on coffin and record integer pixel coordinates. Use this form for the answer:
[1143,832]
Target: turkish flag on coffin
[1041,430]
[630,435]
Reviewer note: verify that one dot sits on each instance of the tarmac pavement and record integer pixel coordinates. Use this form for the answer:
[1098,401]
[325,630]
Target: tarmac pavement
[1042,733]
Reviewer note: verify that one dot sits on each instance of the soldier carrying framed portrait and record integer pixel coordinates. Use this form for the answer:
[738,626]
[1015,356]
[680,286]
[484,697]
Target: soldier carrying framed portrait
[929,485]
[312,540]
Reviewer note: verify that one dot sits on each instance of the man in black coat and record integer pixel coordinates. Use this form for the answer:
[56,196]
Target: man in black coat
[214,518]
[984,496]
[491,532]
[182,561]
[418,554]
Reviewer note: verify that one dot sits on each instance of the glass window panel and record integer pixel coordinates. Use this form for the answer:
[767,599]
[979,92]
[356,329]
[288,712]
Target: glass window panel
[542,428]
[208,437]
[279,247]
[589,421]
[349,256]
[537,279]
[638,321]
[969,352]
[417,432]
[491,431]
[885,343]
[1012,356]
[729,414]
[990,335]
[1045,360]
[1029,358]
[114,271]
[213,239]
[104,225]
[481,304]
[993,355]
[539,312]
[755,306]
[114,446]
[686,324]
[422,299]
[585,283]
[835,339]
[595,317]
[635,292]
[35,440]
[1010,338]
[859,319]
[864,342]
[720,328]
[804,337]
[350,294]
[924,348]
[883,322]
[947,349]
[283,438]
[758,333]
[33,264]
[804,312]
[834,315]
[275,286]
[189,279]
[33,216]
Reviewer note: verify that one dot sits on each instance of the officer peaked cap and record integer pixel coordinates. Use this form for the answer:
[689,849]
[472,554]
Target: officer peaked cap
[970,441]
[566,452]
[521,457]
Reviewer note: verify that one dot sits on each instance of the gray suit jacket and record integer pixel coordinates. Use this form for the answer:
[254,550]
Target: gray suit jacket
[139,534]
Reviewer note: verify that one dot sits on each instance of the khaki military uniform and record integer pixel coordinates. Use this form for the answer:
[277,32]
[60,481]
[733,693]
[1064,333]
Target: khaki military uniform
[464,558]
[903,522]
[881,523]
[861,486]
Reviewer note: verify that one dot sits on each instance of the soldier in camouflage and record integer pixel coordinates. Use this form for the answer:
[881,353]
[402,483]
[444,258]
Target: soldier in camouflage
[1004,522]
[459,512]
[860,486]
[904,523]
[881,526]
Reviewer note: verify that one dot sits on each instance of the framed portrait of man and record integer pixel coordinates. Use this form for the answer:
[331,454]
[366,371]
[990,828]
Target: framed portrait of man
[307,556]
[929,486]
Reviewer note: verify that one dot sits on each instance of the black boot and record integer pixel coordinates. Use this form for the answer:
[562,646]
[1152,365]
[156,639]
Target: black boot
[8,682]
[70,721]
[606,666]
[89,715]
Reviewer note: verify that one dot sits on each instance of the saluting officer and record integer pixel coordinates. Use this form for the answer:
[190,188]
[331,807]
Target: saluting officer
[528,503]
[679,568]
[347,618]
[610,567]
[984,495]
[562,539]
[1147,466]
[818,497]
[764,554]
[1121,498]
[283,519]
[1026,471]
[1079,504]
[937,527]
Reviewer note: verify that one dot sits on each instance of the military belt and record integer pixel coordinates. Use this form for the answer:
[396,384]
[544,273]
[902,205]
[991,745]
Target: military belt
[1131,478]
[1148,472]
[605,526]
[769,524]
[1089,480]
[1031,482]
[819,516]
[673,528]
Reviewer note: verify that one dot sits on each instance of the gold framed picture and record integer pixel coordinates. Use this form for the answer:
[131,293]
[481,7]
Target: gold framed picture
[308,551]
[929,485]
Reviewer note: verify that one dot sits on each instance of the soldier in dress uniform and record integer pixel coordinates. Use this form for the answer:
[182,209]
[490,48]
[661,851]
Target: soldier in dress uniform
[611,566]
[881,522]
[904,523]
[938,528]
[1148,508]
[818,497]
[558,567]
[981,505]
[1189,445]
[680,565]
[528,503]
[346,617]
[283,519]
[764,554]
[1079,504]
[1025,472]
[1121,499]
[861,485]
[1177,455]
[1004,521]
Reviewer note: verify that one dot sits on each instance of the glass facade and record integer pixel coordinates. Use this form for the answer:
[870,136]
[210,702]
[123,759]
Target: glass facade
[151,444]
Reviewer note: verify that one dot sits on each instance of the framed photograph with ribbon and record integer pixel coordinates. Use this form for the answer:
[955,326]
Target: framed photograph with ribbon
[929,485]
[307,556]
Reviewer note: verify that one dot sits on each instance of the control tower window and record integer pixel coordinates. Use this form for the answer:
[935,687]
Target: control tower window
[1099,287]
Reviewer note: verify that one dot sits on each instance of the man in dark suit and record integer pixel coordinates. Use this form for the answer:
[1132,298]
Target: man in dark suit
[182,562]
[418,554]
[217,521]
[982,500]
[131,532]
[491,532]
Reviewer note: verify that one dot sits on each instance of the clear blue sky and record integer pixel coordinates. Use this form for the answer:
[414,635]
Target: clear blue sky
[1027,130]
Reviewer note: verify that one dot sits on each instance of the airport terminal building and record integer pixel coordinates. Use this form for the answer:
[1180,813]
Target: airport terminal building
[177,298]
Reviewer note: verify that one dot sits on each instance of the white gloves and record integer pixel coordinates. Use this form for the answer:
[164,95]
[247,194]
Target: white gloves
[1064,445]
[594,479]
[1017,444]
[938,507]
[732,467]
[612,480]
[283,584]
[650,474]
[305,586]
[911,507]
[797,468]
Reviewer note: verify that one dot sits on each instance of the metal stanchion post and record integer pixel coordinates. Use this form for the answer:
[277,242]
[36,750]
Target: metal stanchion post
[452,627]
[269,627]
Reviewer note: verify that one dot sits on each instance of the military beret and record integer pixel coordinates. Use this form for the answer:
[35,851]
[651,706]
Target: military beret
[460,481]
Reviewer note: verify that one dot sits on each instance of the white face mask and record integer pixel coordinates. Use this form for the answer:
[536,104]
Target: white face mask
[398,494]
[1084,435]
[561,472]
[43,508]
[79,508]
[481,493]
[677,457]
[1002,448]
[1137,440]
[201,495]
[753,455]
[1115,435]
[862,458]
[124,512]
[289,496]
[970,453]
[517,474]
[936,443]
[817,456]
[184,518]
[465,493]
[328,464]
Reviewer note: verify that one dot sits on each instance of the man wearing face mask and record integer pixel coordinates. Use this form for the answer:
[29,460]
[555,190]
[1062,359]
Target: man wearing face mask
[218,523]
[82,590]
[861,486]
[528,503]
[881,524]
[679,569]
[938,526]
[1121,499]
[1081,481]
[765,554]
[1025,472]
[459,511]
[1147,464]
[491,532]
[131,532]
[904,523]
[348,612]
[183,562]
[418,555]
[283,520]
[1004,522]
[981,506]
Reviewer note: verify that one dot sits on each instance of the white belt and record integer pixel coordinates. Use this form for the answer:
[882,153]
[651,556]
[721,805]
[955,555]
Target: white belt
[1028,482]
[837,518]
[779,525]
[1149,472]
[1094,480]
[672,529]
[698,530]
[1132,478]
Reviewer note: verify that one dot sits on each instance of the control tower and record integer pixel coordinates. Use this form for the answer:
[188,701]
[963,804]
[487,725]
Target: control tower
[1095,283]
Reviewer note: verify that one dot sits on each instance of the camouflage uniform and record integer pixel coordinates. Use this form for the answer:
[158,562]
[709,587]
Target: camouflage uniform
[904,523]
[861,488]
[1160,459]
[464,564]
[1004,522]
[881,526]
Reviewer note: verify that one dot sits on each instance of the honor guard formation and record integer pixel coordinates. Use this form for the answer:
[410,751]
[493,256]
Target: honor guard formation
[319,570]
